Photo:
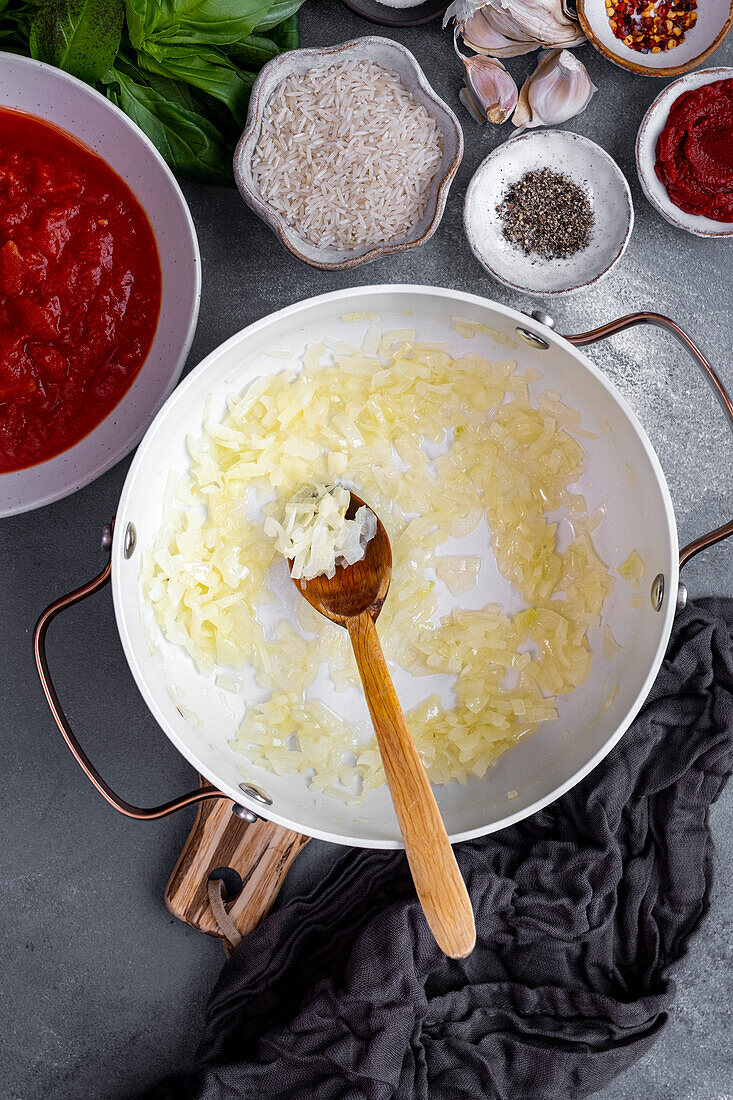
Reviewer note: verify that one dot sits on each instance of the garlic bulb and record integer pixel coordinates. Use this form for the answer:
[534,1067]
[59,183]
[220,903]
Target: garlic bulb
[480,35]
[557,90]
[490,93]
[506,28]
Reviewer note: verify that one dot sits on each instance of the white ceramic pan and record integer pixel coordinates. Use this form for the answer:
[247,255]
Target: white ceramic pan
[622,470]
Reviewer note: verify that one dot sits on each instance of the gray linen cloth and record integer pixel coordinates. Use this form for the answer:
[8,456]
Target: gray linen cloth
[581,913]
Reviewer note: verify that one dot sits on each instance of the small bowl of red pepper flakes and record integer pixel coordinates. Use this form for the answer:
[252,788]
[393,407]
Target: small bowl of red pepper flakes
[651,27]
[656,37]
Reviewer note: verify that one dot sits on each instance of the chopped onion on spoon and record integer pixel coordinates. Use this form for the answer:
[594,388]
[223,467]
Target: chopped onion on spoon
[316,535]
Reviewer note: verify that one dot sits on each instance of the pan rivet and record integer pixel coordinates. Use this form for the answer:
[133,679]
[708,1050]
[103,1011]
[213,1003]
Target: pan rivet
[128,546]
[243,813]
[531,338]
[681,596]
[253,791]
[543,318]
[657,592]
[107,537]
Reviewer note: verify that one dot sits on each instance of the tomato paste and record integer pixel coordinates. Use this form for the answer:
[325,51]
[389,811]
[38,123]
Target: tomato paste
[695,151]
[80,290]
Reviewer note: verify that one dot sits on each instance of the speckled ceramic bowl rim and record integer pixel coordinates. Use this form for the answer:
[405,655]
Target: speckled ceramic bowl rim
[726,72]
[500,151]
[645,70]
[246,144]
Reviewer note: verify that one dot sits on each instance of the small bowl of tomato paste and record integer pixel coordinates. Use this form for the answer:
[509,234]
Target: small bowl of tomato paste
[99,284]
[684,153]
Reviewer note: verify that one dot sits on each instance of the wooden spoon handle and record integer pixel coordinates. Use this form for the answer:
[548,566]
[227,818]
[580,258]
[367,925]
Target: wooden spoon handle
[440,887]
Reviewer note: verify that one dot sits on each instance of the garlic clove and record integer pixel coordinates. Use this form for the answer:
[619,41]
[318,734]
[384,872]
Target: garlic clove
[490,94]
[491,88]
[557,90]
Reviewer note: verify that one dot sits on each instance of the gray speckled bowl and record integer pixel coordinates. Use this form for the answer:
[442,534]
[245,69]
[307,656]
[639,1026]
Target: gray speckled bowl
[586,164]
[382,51]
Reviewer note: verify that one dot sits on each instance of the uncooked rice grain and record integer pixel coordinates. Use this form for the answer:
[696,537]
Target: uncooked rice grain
[346,155]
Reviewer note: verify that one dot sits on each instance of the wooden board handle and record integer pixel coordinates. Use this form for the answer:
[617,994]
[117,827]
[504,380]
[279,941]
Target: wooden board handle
[260,853]
[435,872]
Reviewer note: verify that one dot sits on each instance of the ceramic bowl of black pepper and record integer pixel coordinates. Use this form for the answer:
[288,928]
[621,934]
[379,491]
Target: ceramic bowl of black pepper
[548,212]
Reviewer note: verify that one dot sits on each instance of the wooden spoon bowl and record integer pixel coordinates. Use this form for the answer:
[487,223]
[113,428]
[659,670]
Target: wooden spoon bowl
[361,587]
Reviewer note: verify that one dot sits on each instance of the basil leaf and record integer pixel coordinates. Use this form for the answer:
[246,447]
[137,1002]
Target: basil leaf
[194,22]
[139,21]
[207,69]
[253,51]
[185,137]
[287,34]
[279,11]
[80,36]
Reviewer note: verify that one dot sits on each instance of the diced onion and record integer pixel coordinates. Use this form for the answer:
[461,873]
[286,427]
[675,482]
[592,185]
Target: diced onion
[611,648]
[468,329]
[632,569]
[458,574]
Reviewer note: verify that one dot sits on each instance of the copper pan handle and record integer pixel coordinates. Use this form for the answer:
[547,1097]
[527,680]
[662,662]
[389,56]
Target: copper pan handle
[581,339]
[141,813]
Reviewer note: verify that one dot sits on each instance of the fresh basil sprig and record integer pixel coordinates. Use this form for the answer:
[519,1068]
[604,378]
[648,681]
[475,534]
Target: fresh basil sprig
[181,69]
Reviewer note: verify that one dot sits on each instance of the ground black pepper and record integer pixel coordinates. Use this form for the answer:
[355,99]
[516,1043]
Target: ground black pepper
[547,214]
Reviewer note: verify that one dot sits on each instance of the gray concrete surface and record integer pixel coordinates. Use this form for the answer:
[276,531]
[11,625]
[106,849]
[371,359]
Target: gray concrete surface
[102,991]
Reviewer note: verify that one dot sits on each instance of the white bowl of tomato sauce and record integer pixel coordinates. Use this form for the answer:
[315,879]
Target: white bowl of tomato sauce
[99,284]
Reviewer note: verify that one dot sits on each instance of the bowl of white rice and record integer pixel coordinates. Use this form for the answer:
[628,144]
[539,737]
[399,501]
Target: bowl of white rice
[348,154]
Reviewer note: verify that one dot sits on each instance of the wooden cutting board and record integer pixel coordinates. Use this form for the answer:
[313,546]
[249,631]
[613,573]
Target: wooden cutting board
[260,853]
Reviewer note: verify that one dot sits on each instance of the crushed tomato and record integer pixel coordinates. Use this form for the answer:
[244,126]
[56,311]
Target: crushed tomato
[80,288]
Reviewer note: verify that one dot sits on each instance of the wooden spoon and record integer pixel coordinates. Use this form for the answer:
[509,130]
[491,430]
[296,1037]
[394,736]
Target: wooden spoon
[353,598]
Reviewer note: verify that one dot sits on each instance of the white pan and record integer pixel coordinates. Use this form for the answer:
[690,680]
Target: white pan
[622,470]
